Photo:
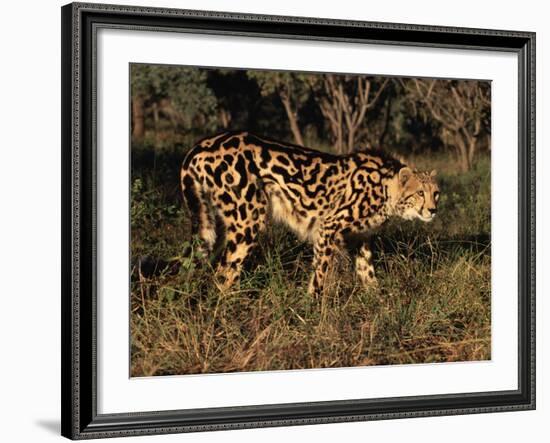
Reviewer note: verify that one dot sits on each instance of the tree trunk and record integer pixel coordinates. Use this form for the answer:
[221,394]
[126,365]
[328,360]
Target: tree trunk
[462,153]
[472,145]
[293,120]
[156,120]
[339,133]
[167,108]
[225,118]
[351,140]
[331,108]
[386,126]
[138,118]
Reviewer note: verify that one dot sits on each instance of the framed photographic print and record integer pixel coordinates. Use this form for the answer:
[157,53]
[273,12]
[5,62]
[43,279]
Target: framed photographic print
[273,221]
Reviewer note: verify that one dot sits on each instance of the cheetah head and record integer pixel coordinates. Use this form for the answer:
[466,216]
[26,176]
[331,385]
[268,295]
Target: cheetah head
[416,194]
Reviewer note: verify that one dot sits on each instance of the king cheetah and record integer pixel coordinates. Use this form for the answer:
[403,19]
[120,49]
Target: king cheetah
[241,179]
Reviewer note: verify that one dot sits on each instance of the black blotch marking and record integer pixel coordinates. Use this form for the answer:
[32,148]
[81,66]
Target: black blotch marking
[240,167]
[283,172]
[250,192]
[220,141]
[233,142]
[242,211]
[226,198]
[283,160]
[252,167]
[266,156]
[248,236]
[228,158]
[218,173]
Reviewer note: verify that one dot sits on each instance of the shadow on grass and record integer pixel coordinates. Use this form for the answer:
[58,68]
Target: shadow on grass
[455,245]
[293,260]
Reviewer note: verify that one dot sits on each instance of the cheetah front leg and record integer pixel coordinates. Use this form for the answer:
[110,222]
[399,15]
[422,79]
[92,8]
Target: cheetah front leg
[364,267]
[324,251]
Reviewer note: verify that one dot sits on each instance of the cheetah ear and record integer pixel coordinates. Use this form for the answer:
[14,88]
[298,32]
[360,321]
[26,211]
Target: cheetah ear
[404,175]
[433,173]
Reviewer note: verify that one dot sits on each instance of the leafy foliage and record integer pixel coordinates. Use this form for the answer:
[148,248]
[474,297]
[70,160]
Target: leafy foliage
[349,112]
[183,88]
[293,89]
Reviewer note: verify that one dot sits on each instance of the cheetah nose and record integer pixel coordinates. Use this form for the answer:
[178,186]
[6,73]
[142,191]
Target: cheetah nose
[432,210]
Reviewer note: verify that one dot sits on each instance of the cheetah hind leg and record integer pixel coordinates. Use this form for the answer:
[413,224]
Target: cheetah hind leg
[203,223]
[240,239]
[239,244]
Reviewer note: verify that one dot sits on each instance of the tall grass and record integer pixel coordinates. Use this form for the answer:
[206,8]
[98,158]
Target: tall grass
[432,303]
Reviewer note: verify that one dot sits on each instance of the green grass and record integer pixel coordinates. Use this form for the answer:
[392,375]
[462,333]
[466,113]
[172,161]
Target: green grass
[432,303]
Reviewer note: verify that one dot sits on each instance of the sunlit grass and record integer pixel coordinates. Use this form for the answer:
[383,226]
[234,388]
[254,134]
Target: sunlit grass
[432,303]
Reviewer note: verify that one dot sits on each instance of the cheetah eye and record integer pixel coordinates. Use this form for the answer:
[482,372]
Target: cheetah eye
[421,193]
[436,195]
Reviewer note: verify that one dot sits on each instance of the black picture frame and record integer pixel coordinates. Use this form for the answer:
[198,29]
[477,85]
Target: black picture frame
[79,169]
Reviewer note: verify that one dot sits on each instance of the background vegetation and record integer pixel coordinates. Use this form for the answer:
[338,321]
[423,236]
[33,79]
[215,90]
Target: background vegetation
[433,302]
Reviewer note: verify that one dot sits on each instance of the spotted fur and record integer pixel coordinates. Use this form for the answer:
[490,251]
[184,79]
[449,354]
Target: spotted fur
[236,180]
